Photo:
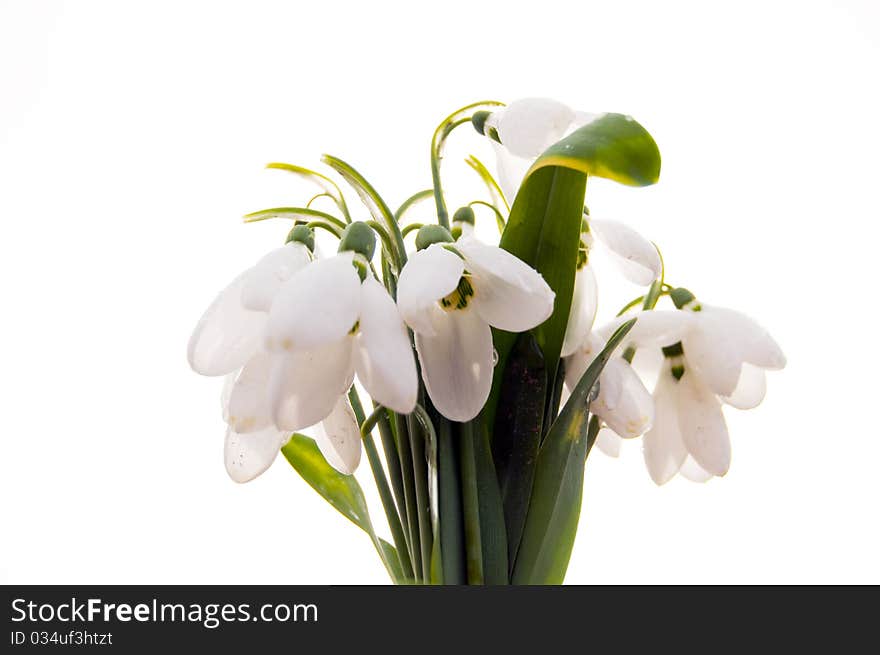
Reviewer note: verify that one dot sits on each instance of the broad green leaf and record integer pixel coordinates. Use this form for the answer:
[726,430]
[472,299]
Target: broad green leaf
[341,491]
[517,435]
[544,224]
[555,505]
[327,185]
[544,231]
[486,536]
[613,146]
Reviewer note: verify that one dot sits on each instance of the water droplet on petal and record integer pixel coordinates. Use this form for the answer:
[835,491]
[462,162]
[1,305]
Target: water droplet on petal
[494,357]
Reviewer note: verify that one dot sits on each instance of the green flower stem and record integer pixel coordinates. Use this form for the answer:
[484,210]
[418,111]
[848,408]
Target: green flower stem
[471,505]
[440,135]
[414,199]
[456,118]
[451,538]
[499,218]
[381,482]
[423,507]
[386,241]
[316,196]
[332,229]
[490,182]
[393,464]
[412,227]
[409,491]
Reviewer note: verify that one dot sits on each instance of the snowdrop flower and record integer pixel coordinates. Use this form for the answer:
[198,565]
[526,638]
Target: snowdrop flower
[720,358]
[253,439]
[228,341]
[450,295]
[230,331]
[623,403]
[325,325]
[526,128]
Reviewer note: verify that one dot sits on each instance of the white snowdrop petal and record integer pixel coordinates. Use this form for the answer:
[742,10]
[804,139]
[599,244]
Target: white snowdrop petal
[653,329]
[428,276]
[703,429]
[263,280]
[608,442]
[637,257]
[750,389]
[508,293]
[457,364]
[317,306]
[248,409]
[305,385]
[226,392]
[662,445]
[576,364]
[612,381]
[751,341]
[584,302]
[633,411]
[693,472]
[721,341]
[510,171]
[248,455]
[529,126]
[227,335]
[384,357]
[647,364]
[339,438]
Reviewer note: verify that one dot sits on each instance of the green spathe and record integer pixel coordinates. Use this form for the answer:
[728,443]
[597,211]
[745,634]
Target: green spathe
[360,238]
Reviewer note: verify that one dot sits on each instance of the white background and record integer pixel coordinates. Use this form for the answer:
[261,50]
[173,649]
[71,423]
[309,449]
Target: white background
[132,139]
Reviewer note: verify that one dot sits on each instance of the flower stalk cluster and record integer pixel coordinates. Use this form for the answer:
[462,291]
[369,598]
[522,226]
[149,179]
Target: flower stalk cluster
[488,381]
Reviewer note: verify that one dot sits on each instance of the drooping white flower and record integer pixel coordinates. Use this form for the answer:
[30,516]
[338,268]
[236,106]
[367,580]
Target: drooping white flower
[623,403]
[326,325]
[230,331]
[248,455]
[228,341]
[450,296]
[721,358]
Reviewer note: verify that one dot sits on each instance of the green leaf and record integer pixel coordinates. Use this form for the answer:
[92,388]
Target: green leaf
[293,213]
[544,225]
[613,146]
[495,192]
[555,505]
[327,185]
[372,201]
[485,534]
[517,434]
[341,491]
[544,231]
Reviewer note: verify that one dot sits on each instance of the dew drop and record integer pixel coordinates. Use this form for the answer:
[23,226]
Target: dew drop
[494,357]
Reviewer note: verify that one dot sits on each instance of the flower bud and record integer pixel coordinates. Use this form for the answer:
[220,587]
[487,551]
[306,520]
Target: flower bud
[682,298]
[478,120]
[360,238]
[464,215]
[304,235]
[429,234]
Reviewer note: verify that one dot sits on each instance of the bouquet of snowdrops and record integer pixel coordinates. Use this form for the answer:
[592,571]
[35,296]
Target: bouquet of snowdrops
[488,382]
